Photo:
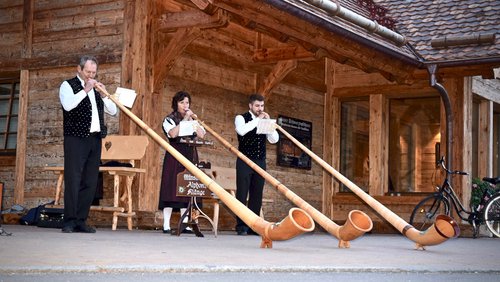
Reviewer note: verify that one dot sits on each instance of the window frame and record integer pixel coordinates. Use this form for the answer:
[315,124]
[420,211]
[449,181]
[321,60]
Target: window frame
[11,99]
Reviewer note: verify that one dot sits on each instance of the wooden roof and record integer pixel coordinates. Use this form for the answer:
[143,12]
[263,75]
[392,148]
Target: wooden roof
[313,29]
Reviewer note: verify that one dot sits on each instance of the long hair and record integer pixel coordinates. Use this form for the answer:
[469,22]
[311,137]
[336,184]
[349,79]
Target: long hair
[179,96]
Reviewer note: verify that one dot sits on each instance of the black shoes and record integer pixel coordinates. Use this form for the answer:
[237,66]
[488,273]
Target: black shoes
[84,229]
[68,229]
[79,228]
[187,231]
[167,231]
[242,230]
[251,232]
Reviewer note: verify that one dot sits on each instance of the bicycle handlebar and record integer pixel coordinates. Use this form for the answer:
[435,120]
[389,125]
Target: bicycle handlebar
[441,163]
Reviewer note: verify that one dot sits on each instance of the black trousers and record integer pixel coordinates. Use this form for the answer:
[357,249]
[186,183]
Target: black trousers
[81,169]
[249,184]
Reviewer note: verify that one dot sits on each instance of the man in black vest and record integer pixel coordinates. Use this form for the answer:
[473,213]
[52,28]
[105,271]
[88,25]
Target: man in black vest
[249,183]
[83,122]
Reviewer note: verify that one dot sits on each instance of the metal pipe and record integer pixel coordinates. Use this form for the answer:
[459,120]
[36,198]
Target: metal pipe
[334,9]
[432,69]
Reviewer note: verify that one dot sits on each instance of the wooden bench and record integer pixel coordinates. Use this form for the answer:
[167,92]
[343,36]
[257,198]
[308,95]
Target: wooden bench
[121,148]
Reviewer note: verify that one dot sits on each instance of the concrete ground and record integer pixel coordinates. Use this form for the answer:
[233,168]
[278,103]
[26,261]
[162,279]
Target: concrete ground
[34,249]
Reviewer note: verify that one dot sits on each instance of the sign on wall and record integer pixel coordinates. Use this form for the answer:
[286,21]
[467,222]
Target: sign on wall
[288,153]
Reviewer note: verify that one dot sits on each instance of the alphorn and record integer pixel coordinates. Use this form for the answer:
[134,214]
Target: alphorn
[296,223]
[443,229]
[357,222]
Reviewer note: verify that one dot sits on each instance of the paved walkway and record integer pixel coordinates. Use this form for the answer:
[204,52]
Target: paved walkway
[33,249]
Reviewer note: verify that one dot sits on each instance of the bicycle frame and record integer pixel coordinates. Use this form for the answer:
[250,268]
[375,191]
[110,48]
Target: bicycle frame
[453,201]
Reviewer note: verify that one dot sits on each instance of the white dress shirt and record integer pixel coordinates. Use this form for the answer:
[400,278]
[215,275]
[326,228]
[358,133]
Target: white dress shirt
[69,101]
[243,128]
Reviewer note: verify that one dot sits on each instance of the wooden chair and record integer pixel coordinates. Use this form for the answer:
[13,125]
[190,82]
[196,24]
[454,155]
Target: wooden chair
[226,178]
[122,148]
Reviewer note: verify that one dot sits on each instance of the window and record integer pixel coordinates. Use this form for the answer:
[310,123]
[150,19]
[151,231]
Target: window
[414,134]
[354,143]
[9,111]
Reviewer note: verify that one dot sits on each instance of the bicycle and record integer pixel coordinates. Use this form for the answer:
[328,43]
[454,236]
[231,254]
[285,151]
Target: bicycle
[442,202]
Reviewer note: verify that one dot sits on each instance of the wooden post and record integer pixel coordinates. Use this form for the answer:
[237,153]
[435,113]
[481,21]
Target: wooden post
[23,104]
[331,131]
[137,74]
[460,91]
[485,139]
[378,155]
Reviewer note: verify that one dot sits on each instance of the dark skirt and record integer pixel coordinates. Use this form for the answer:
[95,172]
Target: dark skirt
[171,167]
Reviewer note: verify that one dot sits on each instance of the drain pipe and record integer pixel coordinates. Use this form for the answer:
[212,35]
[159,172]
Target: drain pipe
[432,69]
[334,9]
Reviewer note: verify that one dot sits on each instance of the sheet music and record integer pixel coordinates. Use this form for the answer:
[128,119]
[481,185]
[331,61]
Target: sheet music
[266,126]
[187,127]
[126,96]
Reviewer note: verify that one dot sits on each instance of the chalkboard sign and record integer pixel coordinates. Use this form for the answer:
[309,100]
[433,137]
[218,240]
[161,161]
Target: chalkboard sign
[289,154]
[189,186]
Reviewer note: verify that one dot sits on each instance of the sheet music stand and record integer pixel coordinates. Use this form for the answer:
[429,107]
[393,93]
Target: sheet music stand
[193,212]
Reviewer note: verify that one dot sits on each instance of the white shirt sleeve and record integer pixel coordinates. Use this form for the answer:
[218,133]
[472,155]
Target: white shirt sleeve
[274,137]
[243,128]
[109,106]
[168,124]
[69,100]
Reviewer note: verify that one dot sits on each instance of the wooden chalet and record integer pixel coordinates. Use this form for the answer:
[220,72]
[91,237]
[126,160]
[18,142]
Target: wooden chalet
[388,86]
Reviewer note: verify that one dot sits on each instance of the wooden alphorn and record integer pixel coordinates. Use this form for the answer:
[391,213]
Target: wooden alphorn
[443,229]
[356,224]
[297,222]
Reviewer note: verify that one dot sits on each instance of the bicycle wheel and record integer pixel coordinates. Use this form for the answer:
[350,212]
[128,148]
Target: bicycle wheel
[424,214]
[492,215]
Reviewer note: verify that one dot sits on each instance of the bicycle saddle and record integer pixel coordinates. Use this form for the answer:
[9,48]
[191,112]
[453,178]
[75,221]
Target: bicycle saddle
[493,181]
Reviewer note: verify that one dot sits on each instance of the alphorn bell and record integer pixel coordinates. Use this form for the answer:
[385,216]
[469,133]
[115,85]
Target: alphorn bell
[357,222]
[296,223]
[443,229]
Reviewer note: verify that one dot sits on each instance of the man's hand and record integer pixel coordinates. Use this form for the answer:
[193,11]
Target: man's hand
[102,86]
[264,115]
[89,84]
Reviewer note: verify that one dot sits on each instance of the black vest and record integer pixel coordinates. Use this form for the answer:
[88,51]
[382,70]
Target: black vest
[77,121]
[252,145]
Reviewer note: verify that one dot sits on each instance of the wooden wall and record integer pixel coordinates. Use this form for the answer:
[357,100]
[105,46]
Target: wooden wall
[220,68]
[53,34]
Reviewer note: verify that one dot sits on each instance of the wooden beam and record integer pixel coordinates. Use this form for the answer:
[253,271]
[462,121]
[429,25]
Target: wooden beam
[167,56]
[330,141]
[20,174]
[290,26]
[460,93]
[485,139]
[279,71]
[487,89]
[419,89]
[37,63]
[205,6]
[273,55]
[193,18]
[378,154]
